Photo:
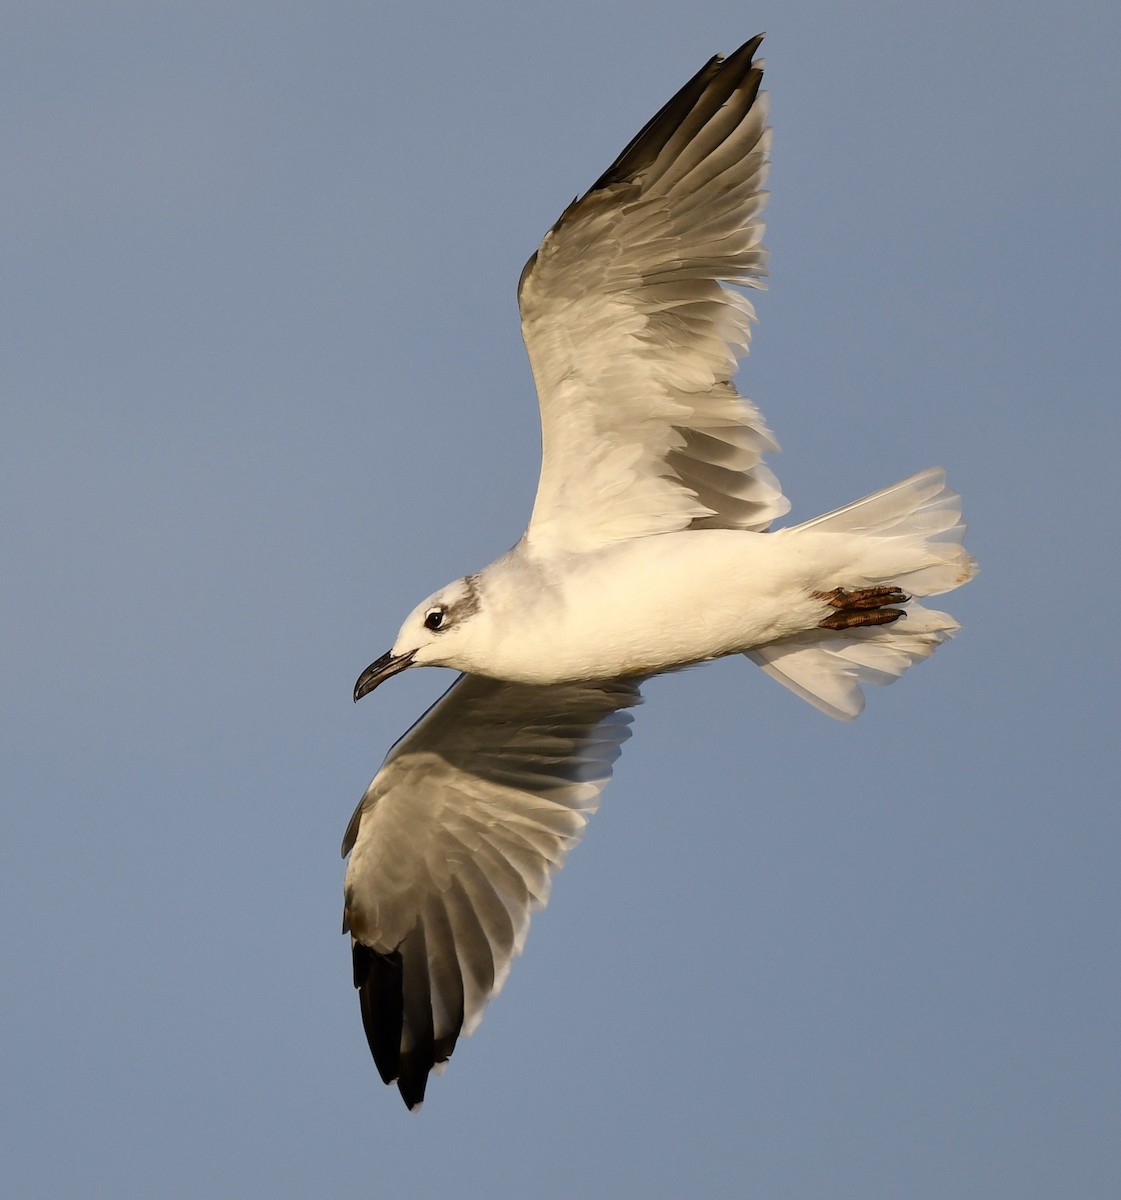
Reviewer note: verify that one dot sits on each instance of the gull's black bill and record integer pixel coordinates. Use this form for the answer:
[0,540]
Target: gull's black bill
[380,670]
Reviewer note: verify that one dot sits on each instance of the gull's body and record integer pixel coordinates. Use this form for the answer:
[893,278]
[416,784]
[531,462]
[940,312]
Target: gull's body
[651,604]
[649,548]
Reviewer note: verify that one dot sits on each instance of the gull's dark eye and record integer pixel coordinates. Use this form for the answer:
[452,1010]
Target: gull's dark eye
[434,619]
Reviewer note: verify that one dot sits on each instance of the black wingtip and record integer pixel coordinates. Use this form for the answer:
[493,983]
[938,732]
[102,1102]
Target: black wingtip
[379,980]
[645,146]
[412,1081]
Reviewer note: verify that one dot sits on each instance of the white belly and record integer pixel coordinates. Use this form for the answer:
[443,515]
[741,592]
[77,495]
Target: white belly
[661,602]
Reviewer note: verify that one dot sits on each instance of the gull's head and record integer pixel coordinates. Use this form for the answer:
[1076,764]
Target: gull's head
[434,634]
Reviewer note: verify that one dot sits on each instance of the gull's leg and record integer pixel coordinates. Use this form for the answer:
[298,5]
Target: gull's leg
[862,606]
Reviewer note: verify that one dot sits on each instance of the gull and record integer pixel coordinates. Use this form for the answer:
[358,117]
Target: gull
[649,548]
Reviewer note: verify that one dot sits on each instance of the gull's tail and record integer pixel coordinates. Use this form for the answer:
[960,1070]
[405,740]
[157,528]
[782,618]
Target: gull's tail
[910,535]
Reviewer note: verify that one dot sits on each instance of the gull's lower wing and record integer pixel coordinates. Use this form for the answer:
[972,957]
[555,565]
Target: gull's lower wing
[453,847]
[633,339]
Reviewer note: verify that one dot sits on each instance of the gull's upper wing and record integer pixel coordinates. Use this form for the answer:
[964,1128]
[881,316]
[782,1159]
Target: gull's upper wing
[633,339]
[452,848]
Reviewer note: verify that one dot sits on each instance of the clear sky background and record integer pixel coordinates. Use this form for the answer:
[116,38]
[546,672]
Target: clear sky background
[263,389]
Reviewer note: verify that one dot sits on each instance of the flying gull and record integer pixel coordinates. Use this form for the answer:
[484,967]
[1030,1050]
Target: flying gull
[649,548]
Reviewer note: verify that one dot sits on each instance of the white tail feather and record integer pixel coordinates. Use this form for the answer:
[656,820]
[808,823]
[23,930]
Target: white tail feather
[914,531]
[827,668]
[883,512]
[910,535]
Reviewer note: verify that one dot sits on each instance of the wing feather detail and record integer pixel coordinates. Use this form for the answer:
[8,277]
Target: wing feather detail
[634,340]
[453,847]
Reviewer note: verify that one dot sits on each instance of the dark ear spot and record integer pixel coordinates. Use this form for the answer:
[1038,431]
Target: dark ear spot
[469,605]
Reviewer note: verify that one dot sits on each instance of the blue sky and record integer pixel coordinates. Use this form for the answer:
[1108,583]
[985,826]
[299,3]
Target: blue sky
[263,389]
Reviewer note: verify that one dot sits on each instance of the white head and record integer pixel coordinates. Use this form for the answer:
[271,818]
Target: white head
[434,634]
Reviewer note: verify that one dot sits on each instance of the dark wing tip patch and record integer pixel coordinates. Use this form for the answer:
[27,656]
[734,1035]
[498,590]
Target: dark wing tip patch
[694,104]
[388,1003]
[379,979]
[711,85]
